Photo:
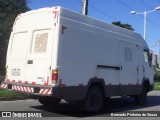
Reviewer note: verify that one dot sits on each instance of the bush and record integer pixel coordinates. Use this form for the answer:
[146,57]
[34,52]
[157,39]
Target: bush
[1,79]
[157,76]
[7,93]
[157,86]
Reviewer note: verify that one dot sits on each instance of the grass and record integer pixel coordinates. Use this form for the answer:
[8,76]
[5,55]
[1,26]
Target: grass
[7,93]
[157,86]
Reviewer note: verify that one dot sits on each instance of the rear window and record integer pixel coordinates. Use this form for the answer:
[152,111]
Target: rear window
[19,46]
[40,41]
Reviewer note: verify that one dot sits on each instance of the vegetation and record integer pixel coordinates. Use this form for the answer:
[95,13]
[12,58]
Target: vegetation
[157,76]
[9,9]
[7,93]
[1,79]
[127,26]
[157,80]
[157,86]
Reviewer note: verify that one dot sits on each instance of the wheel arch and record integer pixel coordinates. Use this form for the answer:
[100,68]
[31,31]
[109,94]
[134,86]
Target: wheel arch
[146,83]
[99,82]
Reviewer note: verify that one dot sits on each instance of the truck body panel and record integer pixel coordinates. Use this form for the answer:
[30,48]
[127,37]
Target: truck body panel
[61,53]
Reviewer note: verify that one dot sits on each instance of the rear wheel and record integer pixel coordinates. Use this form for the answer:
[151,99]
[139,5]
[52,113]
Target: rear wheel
[94,99]
[141,98]
[49,101]
[108,98]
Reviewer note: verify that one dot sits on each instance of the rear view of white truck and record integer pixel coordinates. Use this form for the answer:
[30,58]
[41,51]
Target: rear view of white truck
[55,54]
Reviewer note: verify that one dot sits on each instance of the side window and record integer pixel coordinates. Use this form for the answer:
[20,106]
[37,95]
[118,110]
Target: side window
[146,55]
[128,54]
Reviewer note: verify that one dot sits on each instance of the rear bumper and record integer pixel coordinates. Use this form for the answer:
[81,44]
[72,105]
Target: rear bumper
[69,93]
[27,88]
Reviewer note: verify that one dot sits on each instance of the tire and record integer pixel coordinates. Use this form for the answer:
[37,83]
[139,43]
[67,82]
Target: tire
[94,99]
[141,98]
[108,98]
[49,101]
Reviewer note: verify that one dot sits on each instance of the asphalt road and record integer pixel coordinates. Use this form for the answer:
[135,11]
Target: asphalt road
[72,111]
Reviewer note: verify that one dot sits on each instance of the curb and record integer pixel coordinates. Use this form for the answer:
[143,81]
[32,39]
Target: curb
[14,98]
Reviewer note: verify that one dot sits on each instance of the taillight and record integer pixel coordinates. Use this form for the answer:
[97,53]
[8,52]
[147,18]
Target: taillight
[54,76]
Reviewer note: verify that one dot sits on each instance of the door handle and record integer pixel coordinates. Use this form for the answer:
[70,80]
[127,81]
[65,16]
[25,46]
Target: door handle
[30,61]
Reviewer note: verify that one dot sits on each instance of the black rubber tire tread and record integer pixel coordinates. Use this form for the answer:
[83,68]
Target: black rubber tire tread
[141,98]
[94,99]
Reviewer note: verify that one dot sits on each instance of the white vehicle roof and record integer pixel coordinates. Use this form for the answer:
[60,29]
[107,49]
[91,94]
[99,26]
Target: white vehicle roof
[74,16]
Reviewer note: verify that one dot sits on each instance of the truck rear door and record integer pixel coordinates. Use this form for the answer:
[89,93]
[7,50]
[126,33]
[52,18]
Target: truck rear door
[16,58]
[38,66]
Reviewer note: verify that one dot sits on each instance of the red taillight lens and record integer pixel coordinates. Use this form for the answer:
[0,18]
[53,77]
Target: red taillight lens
[54,75]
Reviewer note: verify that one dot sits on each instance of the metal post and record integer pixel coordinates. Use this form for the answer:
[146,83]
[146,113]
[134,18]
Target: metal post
[159,55]
[85,7]
[145,16]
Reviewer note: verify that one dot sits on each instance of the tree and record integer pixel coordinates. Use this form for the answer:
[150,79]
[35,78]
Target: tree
[9,9]
[127,26]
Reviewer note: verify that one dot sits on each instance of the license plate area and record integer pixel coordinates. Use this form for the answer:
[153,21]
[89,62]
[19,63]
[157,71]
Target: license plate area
[15,72]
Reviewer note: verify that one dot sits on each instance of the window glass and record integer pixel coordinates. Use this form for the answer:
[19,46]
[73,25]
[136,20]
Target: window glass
[128,54]
[19,44]
[146,57]
[40,45]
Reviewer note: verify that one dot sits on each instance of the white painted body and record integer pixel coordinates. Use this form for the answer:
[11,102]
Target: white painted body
[76,44]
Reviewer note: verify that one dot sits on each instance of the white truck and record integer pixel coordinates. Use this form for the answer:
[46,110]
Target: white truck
[55,53]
